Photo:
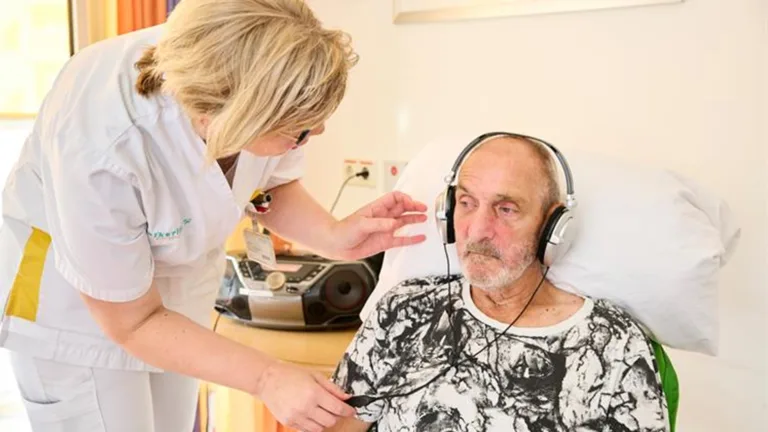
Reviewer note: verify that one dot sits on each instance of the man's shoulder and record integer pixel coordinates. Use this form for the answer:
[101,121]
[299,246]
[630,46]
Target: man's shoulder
[421,286]
[618,319]
[421,295]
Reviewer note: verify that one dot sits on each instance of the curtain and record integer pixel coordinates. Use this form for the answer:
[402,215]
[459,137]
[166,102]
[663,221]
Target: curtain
[94,20]
[101,19]
[138,14]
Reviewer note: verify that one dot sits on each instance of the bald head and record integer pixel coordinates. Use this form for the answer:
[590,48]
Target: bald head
[535,160]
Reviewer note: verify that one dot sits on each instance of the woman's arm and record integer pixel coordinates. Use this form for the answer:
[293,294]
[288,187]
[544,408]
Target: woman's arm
[296,216]
[168,340]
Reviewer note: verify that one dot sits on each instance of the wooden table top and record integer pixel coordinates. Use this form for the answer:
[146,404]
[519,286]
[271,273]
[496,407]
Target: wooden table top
[319,350]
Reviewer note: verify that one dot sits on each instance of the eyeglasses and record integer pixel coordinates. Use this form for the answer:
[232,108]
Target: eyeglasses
[302,136]
[300,140]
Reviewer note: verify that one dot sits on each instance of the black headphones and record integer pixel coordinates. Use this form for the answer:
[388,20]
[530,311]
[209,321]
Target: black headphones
[555,238]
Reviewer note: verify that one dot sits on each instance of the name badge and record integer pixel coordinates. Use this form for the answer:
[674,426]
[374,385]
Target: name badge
[259,248]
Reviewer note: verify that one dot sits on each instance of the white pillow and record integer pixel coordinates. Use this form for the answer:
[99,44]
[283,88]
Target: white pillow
[649,240]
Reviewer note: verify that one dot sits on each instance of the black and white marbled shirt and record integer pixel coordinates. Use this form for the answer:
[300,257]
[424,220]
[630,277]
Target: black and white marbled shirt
[594,372]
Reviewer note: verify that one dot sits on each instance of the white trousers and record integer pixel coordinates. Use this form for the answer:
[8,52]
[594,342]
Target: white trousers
[66,398]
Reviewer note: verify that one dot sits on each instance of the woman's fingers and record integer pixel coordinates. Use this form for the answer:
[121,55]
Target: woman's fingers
[333,402]
[302,399]
[323,417]
[410,219]
[395,204]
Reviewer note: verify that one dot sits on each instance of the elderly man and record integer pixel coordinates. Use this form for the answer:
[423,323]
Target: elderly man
[500,348]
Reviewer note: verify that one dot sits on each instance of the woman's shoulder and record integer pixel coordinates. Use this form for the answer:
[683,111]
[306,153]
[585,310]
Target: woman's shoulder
[92,102]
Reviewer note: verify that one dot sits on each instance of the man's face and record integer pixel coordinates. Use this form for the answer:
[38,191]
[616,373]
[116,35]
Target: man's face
[498,213]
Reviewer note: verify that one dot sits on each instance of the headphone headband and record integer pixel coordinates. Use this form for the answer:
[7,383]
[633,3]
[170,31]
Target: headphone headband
[570,199]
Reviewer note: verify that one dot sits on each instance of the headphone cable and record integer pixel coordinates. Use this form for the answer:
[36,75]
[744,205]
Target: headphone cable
[363,400]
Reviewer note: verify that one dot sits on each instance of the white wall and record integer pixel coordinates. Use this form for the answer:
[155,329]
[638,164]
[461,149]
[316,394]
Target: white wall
[677,86]
[764,120]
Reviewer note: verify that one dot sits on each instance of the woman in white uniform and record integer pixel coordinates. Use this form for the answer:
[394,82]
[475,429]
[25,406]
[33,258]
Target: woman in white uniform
[116,213]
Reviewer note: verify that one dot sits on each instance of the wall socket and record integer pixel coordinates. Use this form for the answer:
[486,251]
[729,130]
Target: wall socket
[352,166]
[392,169]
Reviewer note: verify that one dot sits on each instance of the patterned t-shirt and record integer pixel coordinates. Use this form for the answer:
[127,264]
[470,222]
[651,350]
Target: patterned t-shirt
[593,372]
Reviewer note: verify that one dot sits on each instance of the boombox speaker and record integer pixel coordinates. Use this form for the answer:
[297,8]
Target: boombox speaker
[301,293]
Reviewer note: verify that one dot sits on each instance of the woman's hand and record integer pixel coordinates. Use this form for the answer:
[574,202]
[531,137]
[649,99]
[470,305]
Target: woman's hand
[371,229]
[301,399]
[297,217]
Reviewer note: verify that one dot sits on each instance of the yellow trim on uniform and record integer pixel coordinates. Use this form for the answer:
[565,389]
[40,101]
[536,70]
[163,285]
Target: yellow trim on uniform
[25,292]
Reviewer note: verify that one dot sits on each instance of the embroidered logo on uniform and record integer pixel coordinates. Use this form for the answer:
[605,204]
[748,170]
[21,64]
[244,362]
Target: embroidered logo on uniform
[175,233]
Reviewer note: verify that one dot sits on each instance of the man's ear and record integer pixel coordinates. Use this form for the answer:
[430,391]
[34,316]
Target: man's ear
[553,207]
[547,215]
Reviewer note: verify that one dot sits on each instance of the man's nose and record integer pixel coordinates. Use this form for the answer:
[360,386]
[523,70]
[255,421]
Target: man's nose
[481,224]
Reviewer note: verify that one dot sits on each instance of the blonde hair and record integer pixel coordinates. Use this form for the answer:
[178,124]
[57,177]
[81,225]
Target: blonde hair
[257,67]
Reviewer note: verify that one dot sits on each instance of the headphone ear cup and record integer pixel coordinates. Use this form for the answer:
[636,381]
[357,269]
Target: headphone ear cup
[444,204]
[555,236]
[450,207]
[441,214]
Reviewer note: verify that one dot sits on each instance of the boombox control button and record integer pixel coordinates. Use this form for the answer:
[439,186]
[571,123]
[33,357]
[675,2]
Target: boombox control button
[275,280]
[245,270]
[291,290]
